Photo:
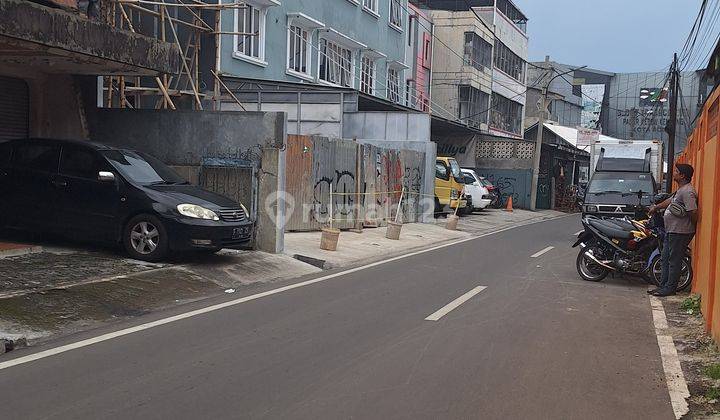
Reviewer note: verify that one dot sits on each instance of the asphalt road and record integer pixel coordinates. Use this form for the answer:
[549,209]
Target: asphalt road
[537,342]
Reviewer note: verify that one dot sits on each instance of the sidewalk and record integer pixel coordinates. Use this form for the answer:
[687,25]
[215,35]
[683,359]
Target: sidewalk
[64,291]
[371,244]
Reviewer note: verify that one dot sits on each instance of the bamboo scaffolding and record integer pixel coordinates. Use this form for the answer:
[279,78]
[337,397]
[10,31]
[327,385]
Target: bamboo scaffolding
[167,88]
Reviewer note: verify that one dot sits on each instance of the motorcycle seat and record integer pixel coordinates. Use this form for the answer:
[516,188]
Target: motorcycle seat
[610,229]
[622,224]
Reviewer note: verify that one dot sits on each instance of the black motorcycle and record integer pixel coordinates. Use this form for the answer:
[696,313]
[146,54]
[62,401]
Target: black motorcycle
[628,246]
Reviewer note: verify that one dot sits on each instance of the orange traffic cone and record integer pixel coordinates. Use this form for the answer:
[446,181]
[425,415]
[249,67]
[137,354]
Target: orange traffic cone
[509,206]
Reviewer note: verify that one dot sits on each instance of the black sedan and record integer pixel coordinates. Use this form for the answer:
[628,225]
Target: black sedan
[90,191]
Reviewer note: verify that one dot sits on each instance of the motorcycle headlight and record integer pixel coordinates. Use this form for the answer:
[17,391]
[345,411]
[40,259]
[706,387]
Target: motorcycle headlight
[196,212]
[454,194]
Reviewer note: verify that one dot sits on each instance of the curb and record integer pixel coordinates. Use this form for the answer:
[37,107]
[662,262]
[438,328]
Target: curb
[19,251]
[325,265]
[316,262]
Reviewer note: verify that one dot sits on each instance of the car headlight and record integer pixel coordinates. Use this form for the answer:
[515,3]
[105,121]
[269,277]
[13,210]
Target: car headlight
[245,210]
[196,212]
[591,209]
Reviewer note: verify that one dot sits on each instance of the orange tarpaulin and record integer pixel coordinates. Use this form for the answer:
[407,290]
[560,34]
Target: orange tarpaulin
[703,153]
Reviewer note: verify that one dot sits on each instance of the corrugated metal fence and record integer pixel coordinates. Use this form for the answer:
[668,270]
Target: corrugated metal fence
[703,153]
[366,183]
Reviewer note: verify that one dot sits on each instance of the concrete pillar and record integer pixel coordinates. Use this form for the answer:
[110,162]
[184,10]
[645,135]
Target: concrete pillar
[429,183]
[270,224]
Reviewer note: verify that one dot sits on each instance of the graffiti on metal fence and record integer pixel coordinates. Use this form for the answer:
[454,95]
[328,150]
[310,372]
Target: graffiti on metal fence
[343,187]
[367,190]
[505,187]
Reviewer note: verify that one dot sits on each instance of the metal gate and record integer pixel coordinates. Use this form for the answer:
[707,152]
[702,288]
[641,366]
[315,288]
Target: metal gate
[544,183]
[14,109]
[233,178]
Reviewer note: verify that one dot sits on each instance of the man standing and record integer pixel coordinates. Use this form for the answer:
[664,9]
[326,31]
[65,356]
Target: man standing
[680,218]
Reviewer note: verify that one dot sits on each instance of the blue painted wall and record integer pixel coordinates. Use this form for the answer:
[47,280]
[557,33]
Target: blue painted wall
[345,16]
[511,182]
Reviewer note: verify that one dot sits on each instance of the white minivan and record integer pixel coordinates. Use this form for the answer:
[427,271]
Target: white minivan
[480,195]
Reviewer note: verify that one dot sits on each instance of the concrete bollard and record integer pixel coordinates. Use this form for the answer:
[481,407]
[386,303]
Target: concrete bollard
[393,230]
[329,239]
[452,222]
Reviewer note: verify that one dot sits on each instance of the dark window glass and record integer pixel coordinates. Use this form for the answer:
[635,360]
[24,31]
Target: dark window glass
[512,13]
[5,153]
[508,62]
[473,106]
[621,183]
[39,157]
[478,52]
[142,168]
[440,170]
[505,114]
[80,161]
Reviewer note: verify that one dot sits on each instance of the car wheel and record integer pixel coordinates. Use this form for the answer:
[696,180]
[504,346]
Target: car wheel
[145,238]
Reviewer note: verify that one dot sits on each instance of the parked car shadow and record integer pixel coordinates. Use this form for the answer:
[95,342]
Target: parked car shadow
[57,242]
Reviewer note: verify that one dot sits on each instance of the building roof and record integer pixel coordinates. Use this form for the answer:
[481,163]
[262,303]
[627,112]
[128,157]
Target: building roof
[569,134]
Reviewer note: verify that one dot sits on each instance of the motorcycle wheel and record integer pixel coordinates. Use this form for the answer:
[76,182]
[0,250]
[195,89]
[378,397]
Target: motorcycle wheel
[686,273]
[588,269]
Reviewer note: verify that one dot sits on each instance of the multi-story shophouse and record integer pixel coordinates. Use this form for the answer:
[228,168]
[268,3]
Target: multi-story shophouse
[318,61]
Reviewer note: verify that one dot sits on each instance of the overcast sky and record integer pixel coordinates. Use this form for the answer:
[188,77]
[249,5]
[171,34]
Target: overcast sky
[612,35]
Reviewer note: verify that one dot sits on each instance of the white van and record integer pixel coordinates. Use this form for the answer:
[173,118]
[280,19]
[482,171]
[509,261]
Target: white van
[473,187]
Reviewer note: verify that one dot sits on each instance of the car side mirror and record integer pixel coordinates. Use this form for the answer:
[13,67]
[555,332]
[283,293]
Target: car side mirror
[105,176]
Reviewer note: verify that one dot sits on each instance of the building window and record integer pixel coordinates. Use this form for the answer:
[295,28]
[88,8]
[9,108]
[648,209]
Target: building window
[396,13]
[367,75]
[511,12]
[410,93]
[472,106]
[299,50]
[411,31]
[506,114]
[508,62]
[250,22]
[393,84]
[336,64]
[478,52]
[427,51]
[371,5]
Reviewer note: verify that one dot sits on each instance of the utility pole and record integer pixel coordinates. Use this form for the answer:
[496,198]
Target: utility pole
[672,122]
[542,115]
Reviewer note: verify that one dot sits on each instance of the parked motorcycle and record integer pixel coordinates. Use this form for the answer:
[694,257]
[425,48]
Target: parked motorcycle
[627,246]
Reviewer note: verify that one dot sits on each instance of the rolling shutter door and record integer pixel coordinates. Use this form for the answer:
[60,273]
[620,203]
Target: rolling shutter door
[14,108]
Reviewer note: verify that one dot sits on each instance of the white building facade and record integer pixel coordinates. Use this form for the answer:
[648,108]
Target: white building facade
[510,55]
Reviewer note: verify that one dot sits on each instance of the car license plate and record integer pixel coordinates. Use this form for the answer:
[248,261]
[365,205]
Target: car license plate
[240,232]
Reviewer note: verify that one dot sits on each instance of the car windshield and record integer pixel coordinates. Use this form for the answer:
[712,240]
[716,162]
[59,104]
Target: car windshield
[454,167]
[485,182]
[142,168]
[620,183]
